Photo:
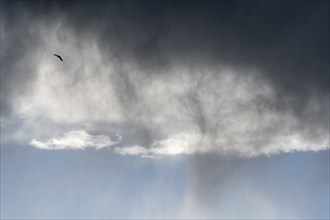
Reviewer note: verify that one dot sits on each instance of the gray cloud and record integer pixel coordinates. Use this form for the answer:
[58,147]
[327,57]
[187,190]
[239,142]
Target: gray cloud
[237,78]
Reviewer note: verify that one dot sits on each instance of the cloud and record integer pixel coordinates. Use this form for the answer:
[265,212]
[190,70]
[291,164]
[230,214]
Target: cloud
[76,140]
[180,144]
[170,82]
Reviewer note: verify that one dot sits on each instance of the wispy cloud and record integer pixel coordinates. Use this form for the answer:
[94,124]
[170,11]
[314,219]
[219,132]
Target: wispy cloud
[78,139]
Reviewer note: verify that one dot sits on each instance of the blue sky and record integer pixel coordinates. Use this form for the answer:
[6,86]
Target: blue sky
[97,184]
[164,109]
[89,184]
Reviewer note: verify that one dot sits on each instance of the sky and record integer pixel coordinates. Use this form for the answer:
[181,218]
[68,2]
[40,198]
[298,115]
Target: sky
[164,109]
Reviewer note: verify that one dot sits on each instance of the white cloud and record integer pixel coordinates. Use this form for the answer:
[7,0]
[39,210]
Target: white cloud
[132,150]
[78,139]
[194,142]
[184,143]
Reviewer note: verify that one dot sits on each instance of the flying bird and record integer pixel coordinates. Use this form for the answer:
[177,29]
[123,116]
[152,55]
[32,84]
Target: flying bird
[58,57]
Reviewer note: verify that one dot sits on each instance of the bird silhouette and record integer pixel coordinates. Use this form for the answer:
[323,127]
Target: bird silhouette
[59,57]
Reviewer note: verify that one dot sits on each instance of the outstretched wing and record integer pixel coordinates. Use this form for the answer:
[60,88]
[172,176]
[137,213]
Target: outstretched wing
[58,56]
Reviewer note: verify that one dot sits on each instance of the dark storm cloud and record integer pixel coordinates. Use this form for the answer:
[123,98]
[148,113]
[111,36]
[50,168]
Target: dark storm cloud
[285,42]
[288,41]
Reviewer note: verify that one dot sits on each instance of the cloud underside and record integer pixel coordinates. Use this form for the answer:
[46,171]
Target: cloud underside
[177,104]
[180,144]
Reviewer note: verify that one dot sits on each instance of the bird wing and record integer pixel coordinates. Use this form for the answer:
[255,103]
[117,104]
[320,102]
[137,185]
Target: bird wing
[58,56]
